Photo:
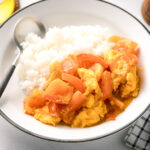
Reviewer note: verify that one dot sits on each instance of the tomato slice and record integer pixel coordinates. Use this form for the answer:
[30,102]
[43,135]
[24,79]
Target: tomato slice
[35,99]
[110,116]
[78,99]
[54,109]
[59,91]
[87,60]
[70,65]
[106,84]
[75,81]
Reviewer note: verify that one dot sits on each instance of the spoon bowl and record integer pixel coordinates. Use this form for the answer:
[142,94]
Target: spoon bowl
[25,26]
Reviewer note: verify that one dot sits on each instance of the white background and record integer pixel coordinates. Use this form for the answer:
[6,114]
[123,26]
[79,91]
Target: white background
[14,139]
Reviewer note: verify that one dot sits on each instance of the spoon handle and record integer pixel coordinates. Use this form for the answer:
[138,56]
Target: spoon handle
[9,74]
[6,79]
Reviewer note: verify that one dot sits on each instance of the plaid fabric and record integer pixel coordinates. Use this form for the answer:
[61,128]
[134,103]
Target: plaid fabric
[138,136]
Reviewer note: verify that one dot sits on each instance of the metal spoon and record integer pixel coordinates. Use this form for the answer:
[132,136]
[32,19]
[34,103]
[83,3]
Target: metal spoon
[22,29]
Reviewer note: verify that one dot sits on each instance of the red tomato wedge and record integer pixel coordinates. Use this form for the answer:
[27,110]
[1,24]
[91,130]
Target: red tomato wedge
[87,60]
[54,109]
[78,99]
[35,99]
[70,65]
[74,81]
[59,91]
[106,84]
[111,116]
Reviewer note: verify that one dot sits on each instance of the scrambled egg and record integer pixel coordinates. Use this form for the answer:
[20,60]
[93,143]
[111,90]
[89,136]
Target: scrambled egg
[124,74]
[118,66]
[90,80]
[98,70]
[44,116]
[90,116]
[131,87]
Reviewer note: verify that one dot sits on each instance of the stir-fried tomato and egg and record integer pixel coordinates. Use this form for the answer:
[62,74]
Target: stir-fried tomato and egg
[85,89]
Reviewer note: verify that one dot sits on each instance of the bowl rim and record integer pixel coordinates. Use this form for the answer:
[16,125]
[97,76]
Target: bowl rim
[72,141]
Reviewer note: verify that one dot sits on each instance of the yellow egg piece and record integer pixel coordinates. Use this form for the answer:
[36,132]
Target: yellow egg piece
[7,7]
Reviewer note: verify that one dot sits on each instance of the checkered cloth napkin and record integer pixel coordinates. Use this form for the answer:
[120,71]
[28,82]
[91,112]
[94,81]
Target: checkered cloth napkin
[138,136]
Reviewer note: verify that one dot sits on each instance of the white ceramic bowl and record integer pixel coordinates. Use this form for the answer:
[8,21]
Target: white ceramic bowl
[74,12]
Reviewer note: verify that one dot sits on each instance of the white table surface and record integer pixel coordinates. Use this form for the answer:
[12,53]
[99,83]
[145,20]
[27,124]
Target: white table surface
[14,139]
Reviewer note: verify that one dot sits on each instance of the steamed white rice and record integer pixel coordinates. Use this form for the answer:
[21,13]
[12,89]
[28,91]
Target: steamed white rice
[38,54]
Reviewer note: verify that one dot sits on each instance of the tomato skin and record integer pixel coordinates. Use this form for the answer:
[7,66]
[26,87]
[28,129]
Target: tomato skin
[106,84]
[70,65]
[87,60]
[75,81]
[78,99]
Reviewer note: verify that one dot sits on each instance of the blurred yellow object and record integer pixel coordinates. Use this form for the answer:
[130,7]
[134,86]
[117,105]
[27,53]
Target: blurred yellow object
[7,7]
